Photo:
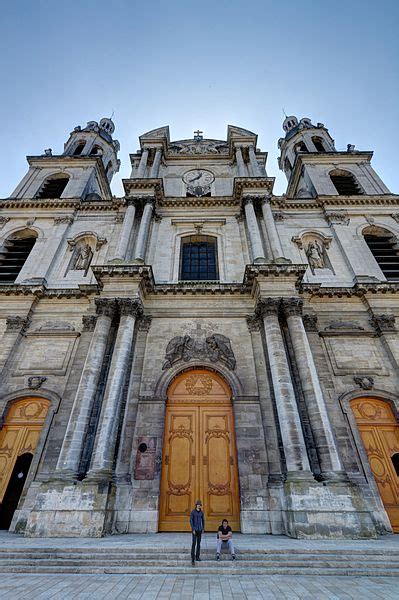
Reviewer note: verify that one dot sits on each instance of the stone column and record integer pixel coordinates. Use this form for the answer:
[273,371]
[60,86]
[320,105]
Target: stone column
[142,237]
[253,162]
[254,233]
[156,163]
[240,162]
[143,164]
[106,437]
[330,461]
[271,229]
[72,446]
[290,423]
[128,221]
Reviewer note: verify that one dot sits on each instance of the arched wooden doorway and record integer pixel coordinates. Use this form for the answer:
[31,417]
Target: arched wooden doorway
[18,440]
[199,453]
[380,434]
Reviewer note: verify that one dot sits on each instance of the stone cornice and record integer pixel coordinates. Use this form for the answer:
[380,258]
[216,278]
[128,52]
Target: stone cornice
[324,202]
[253,272]
[198,202]
[42,291]
[139,272]
[258,186]
[359,289]
[75,204]
[154,187]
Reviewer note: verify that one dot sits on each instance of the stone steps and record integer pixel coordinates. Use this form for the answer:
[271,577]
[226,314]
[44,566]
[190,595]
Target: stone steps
[165,560]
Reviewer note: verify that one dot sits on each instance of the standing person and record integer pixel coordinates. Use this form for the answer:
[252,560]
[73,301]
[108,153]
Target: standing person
[197,522]
[224,536]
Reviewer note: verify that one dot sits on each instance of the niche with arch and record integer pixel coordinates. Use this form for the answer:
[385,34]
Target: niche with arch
[83,247]
[315,246]
[14,253]
[385,249]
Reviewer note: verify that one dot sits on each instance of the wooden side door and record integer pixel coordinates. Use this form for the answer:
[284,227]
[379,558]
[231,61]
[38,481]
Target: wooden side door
[20,434]
[219,474]
[380,436]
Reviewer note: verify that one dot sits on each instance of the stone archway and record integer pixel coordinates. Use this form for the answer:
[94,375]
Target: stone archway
[379,431]
[19,437]
[199,452]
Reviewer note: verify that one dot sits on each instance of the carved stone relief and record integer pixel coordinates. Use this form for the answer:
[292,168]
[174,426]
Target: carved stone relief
[215,348]
[366,383]
[35,382]
[383,323]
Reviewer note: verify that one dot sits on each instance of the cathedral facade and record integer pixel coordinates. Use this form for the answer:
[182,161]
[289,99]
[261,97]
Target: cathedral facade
[200,337]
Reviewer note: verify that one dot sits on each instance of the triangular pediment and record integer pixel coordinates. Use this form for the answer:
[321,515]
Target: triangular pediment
[156,134]
[234,131]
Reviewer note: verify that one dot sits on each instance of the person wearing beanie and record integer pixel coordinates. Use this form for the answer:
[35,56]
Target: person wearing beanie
[197,524]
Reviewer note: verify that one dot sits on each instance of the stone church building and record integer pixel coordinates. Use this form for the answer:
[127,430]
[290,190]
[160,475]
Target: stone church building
[200,337]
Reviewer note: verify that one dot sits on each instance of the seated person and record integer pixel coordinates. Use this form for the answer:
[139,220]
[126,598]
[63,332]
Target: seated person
[224,536]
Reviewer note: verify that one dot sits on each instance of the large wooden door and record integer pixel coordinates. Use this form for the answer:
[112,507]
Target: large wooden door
[380,434]
[19,437]
[199,455]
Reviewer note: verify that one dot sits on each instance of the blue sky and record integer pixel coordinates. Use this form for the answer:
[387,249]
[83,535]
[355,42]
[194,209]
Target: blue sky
[196,65]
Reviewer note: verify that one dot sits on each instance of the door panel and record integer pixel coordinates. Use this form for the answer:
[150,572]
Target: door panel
[380,435]
[199,455]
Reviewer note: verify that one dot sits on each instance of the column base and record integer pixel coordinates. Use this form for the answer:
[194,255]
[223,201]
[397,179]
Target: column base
[328,509]
[76,509]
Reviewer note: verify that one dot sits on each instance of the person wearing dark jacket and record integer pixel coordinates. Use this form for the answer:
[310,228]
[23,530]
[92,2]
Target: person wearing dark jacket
[197,523]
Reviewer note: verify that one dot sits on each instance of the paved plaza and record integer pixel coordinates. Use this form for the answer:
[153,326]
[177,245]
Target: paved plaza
[148,587]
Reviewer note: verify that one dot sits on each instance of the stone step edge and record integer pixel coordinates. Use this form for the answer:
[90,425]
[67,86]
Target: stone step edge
[223,564]
[248,552]
[197,571]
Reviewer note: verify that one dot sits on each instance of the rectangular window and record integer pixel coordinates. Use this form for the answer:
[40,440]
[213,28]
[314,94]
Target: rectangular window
[198,260]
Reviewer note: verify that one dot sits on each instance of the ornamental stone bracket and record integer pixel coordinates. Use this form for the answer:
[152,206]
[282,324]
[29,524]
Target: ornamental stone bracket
[310,322]
[17,323]
[366,383]
[383,323]
[35,382]
[215,348]
[337,217]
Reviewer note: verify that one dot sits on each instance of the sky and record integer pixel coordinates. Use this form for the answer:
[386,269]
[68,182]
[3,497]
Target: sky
[198,64]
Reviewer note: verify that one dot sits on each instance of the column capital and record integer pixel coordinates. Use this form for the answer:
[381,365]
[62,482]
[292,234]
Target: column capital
[130,307]
[105,306]
[292,306]
[89,322]
[149,200]
[254,323]
[267,306]
[383,322]
[145,323]
[266,199]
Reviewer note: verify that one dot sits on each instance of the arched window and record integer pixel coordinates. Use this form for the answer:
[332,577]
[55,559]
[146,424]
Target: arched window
[96,151]
[385,250]
[79,148]
[345,183]
[300,147]
[14,253]
[198,258]
[395,462]
[318,143]
[53,186]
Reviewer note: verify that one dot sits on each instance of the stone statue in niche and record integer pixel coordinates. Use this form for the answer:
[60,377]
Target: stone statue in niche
[81,258]
[315,255]
[215,348]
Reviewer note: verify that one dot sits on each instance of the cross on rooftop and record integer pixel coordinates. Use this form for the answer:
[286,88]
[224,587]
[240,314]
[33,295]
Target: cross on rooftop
[198,135]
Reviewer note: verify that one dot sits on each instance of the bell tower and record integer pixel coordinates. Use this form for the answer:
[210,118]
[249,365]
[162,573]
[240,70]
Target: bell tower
[314,167]
[83,171]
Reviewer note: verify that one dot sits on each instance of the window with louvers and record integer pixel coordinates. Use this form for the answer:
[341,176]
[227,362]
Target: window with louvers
[53,188]
[345,184]
[386,253]
[198,260]
[13,257]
